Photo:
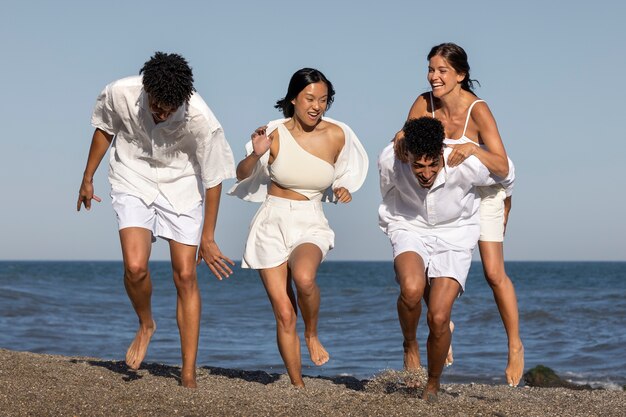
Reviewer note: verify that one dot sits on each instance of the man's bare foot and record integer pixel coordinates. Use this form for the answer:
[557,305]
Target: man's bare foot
[450,358]
[515,366]
[138,348]
[318,354]
[411,355]
[430,391]
[412,364]
[188,379]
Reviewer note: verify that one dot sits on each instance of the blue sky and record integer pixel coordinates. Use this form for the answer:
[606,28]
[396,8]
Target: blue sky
[552,73]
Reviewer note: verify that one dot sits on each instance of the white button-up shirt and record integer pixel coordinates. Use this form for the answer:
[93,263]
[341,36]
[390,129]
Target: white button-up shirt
[447,210]
[180,157]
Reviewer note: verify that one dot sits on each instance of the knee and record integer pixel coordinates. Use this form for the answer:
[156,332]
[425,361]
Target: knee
[135,272]
[438,322]
[411,296]
[285,317]
[185,279]
[305,283]
[495,275]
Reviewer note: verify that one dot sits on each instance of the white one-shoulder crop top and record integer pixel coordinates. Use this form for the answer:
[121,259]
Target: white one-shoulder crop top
[298,170]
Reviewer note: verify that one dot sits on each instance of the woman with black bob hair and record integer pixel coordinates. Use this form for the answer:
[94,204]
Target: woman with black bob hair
[292,166]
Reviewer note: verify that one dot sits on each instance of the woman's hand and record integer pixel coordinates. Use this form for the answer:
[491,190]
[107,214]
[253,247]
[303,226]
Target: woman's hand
[260,141]
[460,153]
[399,148]
[343,195]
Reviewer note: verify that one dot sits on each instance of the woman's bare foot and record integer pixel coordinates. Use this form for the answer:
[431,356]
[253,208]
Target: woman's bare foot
[138,348]
[450,358]
[515,366]
[318,354]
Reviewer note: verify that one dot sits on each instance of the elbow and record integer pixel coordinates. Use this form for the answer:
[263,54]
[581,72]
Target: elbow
[241,174]
[502,173]
[502,170]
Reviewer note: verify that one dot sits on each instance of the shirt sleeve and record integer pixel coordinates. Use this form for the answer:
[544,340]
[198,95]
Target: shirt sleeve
[385,171]
[215,158]
[351,166]
[104,116]
[509,181]
[482,176]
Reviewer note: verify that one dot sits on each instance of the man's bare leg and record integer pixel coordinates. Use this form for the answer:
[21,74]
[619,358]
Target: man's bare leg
[492,257]
[443,292]
[410,274]
[188,307]
[278,287]
[303,263]
[136,245]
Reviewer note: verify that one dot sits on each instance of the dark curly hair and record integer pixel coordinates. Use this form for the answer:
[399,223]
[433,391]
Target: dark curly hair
[299,80]
[168,79]
[423,137]
[457,58]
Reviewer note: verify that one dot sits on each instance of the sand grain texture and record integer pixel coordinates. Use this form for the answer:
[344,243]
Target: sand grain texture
[49,385]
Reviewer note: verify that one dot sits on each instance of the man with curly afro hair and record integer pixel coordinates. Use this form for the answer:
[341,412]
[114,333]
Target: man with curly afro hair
[430,214]
[168,159]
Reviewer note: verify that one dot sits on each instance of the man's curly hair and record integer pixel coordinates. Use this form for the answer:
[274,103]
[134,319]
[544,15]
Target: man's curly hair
[423,137]
[168,79]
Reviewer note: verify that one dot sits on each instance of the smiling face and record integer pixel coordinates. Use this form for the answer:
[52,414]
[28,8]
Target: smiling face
[426,169]
[160,112]
[443,78]
[311,103]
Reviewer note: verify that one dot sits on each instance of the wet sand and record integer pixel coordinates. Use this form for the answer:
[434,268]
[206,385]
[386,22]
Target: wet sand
[49,385]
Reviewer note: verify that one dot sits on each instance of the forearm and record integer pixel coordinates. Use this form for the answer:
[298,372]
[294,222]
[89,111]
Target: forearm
[211,208]
[496,164]
[100,143]
[246,166]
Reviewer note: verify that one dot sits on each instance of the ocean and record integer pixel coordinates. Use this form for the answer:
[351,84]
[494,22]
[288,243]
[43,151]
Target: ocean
[572,317]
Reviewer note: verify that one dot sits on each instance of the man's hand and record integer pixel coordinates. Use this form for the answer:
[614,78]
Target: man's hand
[85,195]
[343,195]
[212,255]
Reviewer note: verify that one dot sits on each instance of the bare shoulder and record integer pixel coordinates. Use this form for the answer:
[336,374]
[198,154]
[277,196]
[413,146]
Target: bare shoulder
[421,106]
[335,135]
[333,131]
[481,113]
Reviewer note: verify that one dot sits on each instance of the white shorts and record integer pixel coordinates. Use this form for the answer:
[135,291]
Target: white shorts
[279,226]
[491,213]
[159,217]
[441,259]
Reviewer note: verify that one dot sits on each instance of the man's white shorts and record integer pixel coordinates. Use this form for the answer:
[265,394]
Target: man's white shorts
[491,213]
[441,259]
[159,217]
[279,226]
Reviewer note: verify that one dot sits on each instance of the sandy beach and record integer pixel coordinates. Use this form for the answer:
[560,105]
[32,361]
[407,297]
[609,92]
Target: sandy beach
[41,385]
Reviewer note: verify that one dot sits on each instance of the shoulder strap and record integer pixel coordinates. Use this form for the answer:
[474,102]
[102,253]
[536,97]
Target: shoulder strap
[469,111]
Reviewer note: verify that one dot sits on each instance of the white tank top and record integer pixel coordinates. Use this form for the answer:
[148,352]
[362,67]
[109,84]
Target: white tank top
[298,170]
[463,138]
